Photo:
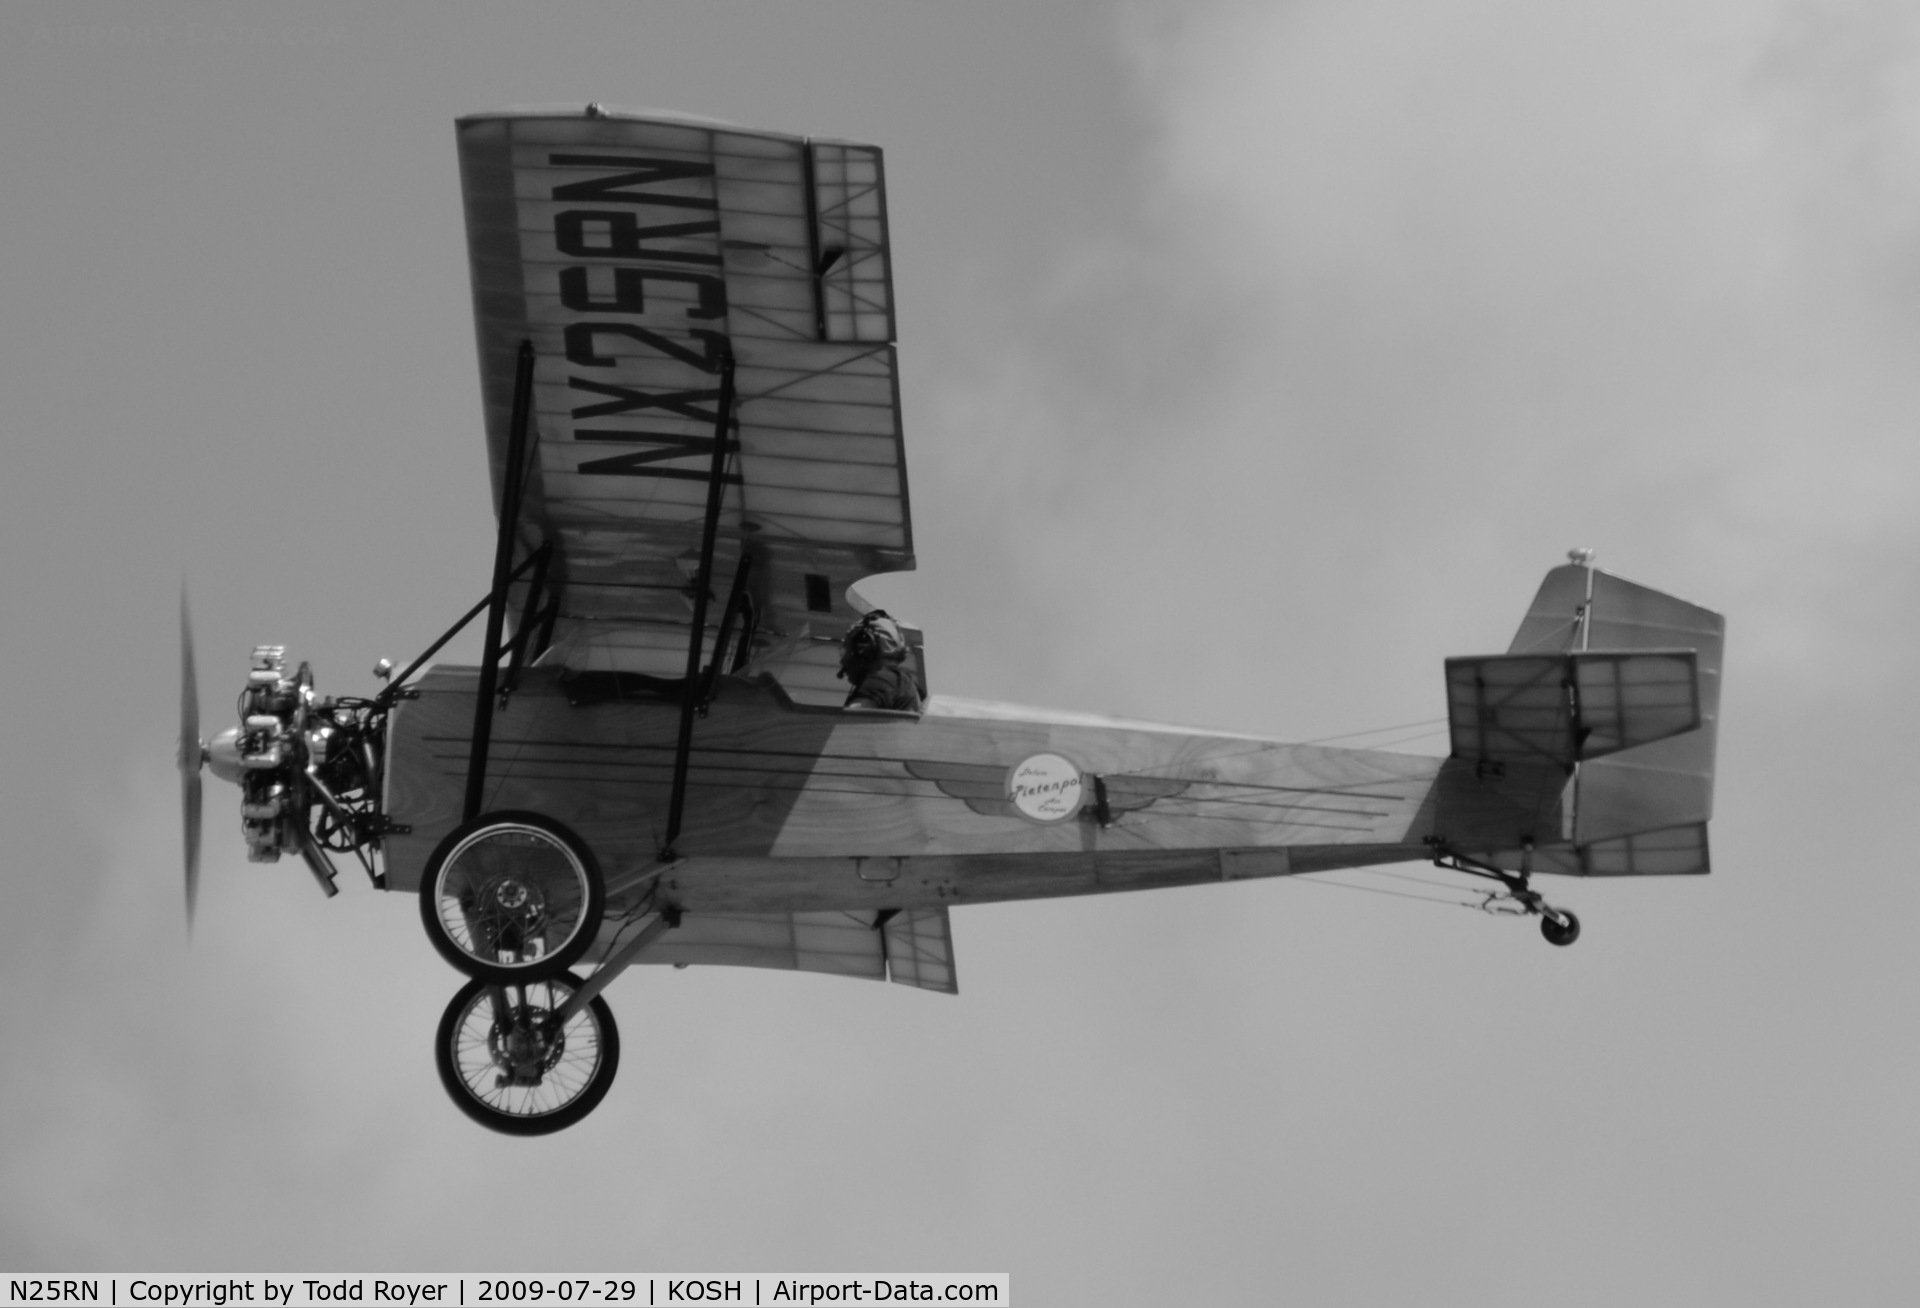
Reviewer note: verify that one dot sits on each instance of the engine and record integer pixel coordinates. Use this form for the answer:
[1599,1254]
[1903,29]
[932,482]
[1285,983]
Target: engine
[309,768]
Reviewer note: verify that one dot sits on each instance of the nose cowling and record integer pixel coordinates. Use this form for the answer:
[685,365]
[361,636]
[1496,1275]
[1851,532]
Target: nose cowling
[223,756]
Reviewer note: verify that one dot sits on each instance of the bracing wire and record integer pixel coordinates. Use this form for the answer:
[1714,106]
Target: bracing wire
[1395,741]
[630,919]
[1428,728]
[1402,876]
[1308,877]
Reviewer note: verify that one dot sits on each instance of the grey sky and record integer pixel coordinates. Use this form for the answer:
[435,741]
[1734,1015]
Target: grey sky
[1257,357]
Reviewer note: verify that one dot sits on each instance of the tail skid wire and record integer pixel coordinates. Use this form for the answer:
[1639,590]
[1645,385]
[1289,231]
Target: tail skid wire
[1514,897]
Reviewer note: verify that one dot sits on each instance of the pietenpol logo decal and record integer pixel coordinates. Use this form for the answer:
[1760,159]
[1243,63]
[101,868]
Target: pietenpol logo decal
[1045,788]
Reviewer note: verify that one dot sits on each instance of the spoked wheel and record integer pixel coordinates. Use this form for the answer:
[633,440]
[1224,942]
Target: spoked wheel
[510,897]
[1559,926]
[508,1066]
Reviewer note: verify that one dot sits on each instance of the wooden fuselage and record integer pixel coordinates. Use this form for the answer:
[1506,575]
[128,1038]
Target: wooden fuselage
[794,808]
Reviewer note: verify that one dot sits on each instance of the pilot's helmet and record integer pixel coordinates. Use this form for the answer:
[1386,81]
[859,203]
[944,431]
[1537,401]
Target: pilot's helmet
[874,640]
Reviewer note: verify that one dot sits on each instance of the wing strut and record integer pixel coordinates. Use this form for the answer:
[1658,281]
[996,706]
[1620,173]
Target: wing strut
[737,602]
[690,688]
[523,649]
[396,687]
[503,572]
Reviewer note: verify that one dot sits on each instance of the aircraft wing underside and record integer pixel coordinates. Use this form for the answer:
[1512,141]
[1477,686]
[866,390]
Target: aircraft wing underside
[911,947]
[636,254]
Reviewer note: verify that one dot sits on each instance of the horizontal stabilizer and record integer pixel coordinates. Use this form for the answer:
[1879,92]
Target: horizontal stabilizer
[1666,852]
[1566,708]
[1674,851]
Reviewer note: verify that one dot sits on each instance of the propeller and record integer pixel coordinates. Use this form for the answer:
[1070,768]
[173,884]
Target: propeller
[192,757]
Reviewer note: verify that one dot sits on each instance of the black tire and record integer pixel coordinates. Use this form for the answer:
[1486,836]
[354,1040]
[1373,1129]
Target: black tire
[511,897]
[1559,926]
[555,1083]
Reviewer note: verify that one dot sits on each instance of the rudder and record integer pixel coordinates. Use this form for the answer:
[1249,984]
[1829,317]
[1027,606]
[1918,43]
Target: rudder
[1642,811]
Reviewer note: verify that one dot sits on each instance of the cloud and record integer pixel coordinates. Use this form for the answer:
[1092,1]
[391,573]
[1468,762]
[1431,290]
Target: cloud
[1411,299]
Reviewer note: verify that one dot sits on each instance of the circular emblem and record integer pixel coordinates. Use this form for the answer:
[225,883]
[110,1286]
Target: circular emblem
[1044,787]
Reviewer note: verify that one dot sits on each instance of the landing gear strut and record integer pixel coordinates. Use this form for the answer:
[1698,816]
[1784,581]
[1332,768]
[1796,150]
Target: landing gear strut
[1516,896]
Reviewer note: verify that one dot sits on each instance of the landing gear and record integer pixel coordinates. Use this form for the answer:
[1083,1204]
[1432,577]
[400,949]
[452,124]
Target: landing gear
[1516,898]
[1559,926]
[511,897]
[510,1062]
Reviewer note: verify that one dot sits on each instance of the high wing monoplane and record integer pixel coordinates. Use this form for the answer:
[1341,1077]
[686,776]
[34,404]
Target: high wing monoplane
[686,339]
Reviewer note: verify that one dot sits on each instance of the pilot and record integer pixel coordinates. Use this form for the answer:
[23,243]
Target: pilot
[873,656]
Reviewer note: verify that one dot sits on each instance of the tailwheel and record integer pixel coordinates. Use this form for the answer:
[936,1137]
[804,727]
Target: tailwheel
[1516,897]
[509,897]
[512,1062]
[1559,926]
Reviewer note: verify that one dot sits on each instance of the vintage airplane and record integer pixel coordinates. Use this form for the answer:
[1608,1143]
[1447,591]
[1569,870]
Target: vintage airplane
[686,350]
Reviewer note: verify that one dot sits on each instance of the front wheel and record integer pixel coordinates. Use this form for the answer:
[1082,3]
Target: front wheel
[509,1066]
[509,897]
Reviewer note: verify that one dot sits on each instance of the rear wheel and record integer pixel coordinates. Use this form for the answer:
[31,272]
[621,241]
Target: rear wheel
[509,1066]
[1559,926]
[510,897]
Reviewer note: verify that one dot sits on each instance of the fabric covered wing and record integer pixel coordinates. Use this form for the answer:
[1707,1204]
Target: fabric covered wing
[920,950]
[914,947]
[635,253]
[843,944]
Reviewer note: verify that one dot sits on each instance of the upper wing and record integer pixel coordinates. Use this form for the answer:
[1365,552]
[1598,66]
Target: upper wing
[635,253]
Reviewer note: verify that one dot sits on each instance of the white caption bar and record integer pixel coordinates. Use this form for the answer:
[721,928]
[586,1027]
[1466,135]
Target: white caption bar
[501,1289]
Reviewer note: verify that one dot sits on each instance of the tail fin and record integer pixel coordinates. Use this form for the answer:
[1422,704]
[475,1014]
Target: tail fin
[1640,809]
